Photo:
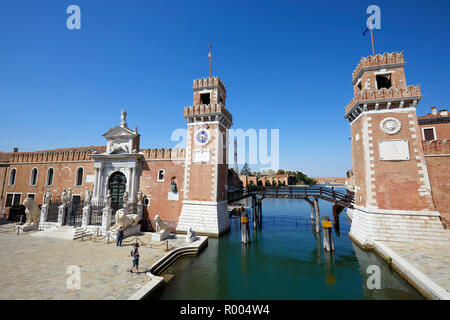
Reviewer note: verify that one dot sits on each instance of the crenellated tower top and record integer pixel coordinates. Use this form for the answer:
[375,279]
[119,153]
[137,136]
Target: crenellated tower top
[379,83]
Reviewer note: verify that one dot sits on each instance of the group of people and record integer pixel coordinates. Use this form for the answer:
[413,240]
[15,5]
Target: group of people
[134,253]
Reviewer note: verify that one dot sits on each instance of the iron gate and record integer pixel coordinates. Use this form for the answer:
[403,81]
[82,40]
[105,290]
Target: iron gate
[96,214]
[52,214]
[75,217]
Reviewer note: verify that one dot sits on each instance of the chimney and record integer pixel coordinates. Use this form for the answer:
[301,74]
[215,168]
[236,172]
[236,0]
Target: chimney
[16,150]
[443,113]
[434,111]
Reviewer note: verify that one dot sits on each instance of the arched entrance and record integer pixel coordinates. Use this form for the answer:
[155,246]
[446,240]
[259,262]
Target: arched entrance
[117,184]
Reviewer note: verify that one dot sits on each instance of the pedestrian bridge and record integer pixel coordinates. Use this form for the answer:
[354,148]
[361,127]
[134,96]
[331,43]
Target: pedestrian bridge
[327,193]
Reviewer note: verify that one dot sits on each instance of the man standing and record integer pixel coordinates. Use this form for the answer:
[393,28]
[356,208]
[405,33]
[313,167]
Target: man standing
[135,255]
[119,237]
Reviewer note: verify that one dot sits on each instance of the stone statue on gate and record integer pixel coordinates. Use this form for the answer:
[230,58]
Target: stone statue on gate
[65,197]
[32,212]
[125,198]
[47,197]
[108,200]
[87,197]
[70,194]
[140,197]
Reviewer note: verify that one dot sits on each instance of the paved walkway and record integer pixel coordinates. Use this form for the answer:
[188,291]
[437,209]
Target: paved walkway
[37,267]
[433,260]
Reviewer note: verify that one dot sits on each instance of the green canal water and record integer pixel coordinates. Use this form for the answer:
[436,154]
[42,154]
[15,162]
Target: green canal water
[284,261]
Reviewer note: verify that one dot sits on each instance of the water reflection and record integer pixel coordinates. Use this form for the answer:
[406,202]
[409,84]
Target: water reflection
[283,261]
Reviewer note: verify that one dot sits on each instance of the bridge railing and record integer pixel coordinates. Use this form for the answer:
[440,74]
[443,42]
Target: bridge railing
[292,192]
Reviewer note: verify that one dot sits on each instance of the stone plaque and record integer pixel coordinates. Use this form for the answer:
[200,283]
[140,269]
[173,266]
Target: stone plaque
[394,150]
[90,178]
[172,195]
[201,156]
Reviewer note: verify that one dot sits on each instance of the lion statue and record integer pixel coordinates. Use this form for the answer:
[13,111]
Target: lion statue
[124,220]
[32,212]
[160,226]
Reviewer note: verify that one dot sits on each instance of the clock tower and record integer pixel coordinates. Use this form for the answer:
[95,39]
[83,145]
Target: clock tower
[205,207]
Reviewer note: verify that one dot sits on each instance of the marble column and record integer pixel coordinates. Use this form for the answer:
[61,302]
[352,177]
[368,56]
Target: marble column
[44,213]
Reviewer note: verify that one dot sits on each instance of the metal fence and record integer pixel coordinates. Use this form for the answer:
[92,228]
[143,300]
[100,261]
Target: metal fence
[96,215]
[74,217]
[52,215]
[17,214]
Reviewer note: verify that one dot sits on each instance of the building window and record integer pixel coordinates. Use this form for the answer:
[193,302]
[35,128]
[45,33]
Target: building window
[161,175]
[13,200]
[205,98]
[429,134]
[79,177]
[383,81]
[33,177]
[49,181]
[12,176]
[31,195]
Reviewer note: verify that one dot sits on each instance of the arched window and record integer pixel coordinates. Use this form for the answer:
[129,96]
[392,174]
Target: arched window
[79,177]
[49,181]
[161,175]
[33,177]
[12,176]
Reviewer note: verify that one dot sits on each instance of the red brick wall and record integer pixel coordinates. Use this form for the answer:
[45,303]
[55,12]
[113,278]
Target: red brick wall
[63,178]
[157,191]
[438,170]
[331,180]
[442,130]
[359,161]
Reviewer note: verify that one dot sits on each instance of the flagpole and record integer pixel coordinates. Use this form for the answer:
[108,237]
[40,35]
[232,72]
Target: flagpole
[371,35]
[210,60]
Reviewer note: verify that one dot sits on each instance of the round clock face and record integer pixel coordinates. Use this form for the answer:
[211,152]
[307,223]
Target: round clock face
[202,137]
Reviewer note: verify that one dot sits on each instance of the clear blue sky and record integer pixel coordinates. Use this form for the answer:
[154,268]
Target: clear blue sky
[287,65]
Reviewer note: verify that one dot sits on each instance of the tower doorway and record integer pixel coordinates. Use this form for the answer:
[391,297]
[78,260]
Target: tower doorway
[117,185]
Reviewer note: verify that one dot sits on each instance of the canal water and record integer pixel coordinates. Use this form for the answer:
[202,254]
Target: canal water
[284,261]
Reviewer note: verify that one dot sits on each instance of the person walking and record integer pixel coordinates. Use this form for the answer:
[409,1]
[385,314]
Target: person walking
[119,237]
[135,255]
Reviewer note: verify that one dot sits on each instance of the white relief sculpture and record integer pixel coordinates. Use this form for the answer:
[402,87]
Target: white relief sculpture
[65,197]
[390,126]
[87,197]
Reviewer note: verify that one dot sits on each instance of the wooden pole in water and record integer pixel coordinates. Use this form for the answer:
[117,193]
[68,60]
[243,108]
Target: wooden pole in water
[244,228]
[260,214]
[328,243]
[255,218]
[317,218]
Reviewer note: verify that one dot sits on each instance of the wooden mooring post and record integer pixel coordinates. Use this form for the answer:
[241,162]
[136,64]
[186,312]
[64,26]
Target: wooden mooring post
[255,216]
[328,243]
[317,217]
[245,232]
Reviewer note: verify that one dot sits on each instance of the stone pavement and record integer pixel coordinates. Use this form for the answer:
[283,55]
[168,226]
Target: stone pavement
[433,260]
[37,267]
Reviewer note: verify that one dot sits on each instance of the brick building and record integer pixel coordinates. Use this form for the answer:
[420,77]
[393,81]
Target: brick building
[185,187]
[394,183]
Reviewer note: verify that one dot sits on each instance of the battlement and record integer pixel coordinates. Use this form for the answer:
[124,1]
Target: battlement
[164,154]
[208,83]
[394,93]
[207,110]
[436,147]
[55,156]
[384,60]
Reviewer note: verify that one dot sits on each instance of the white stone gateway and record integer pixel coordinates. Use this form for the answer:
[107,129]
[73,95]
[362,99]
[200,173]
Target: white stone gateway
[162,230]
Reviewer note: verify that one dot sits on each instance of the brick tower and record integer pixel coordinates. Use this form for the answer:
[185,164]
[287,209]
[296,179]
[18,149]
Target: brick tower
[393,198]
[206,169]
